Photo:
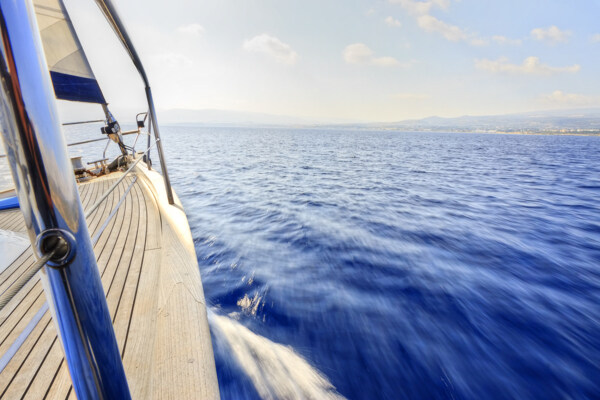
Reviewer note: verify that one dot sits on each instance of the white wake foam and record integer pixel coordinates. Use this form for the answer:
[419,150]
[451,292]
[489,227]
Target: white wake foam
[276,371]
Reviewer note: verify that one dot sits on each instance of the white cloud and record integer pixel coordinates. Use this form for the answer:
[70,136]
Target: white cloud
[503,40]
[421,7]
[385,62]
[595,38]
[530,66]
[551,35]
[273,47]
[191,29]
[477,41]
[430,23]
[558,97]
[421,11]
[360,53]
[393,22]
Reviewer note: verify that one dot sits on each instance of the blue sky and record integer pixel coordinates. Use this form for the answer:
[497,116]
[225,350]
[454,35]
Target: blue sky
[336,60]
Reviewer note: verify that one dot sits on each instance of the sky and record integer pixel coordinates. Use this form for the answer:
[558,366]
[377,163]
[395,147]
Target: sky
[351,60]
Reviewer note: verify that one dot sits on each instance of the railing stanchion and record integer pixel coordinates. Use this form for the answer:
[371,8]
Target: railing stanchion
[110,12]
[49,199]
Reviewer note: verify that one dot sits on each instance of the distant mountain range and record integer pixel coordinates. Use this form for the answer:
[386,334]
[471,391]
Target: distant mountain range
[540,121]
[586,119]
[555,120]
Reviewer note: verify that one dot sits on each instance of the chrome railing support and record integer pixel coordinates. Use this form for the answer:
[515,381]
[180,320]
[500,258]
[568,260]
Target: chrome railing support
[50,203]
[110,12]
[147,158]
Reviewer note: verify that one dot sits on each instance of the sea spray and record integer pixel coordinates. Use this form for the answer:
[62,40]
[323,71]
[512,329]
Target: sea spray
[276,371]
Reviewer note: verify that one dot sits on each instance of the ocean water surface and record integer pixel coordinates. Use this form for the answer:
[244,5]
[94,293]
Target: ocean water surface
[390,265]
[395,265]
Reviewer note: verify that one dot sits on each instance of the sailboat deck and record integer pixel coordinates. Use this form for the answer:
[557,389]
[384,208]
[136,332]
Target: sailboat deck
[159,320]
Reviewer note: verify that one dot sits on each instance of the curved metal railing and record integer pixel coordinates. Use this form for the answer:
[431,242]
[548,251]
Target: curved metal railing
[49,199]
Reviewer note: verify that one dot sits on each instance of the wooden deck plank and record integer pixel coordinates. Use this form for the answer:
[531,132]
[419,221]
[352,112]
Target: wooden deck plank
[12,220]
[43,350]
[36,296]
[61,383]
[128,293]
[97,217]
[120,241]
[154,220]
[8,217]
[14,367]
[8,275]
[35,357]
[154,295]
[17,321]
[138,352]
[40,383]
[17,225]
[54,369]
[108,240]
[123,263]
[86,197]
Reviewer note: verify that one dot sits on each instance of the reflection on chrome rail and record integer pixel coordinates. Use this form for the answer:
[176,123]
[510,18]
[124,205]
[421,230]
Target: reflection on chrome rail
[50,203]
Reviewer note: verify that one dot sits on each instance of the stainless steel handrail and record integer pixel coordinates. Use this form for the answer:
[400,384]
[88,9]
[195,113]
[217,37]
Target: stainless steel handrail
[112,16]
[87,141]
[52,210]
[82,122]
[97,140]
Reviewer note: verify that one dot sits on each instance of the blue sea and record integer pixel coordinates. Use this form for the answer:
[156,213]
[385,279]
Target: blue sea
[395,265]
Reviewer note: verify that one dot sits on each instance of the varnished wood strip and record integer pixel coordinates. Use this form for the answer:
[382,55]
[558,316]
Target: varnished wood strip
[11,274]
[8,217]
[46,371]
[54,350]
[54,369]
[60,386]
[14,367]
[17,225]
[5,215]
[109,239]
[31,363]
[7,274]
[102,211]
[122,264]
[18,341]
[17,321]
[128,294]
[123,239]
[19,265]
[154,295]
[44,356]
[138,353]
[154,219]
[12,220]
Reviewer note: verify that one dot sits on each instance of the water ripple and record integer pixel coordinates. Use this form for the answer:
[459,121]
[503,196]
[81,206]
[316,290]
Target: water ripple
[400,265]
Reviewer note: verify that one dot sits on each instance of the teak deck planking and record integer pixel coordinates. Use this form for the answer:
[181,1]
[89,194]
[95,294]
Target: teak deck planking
[153,290]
